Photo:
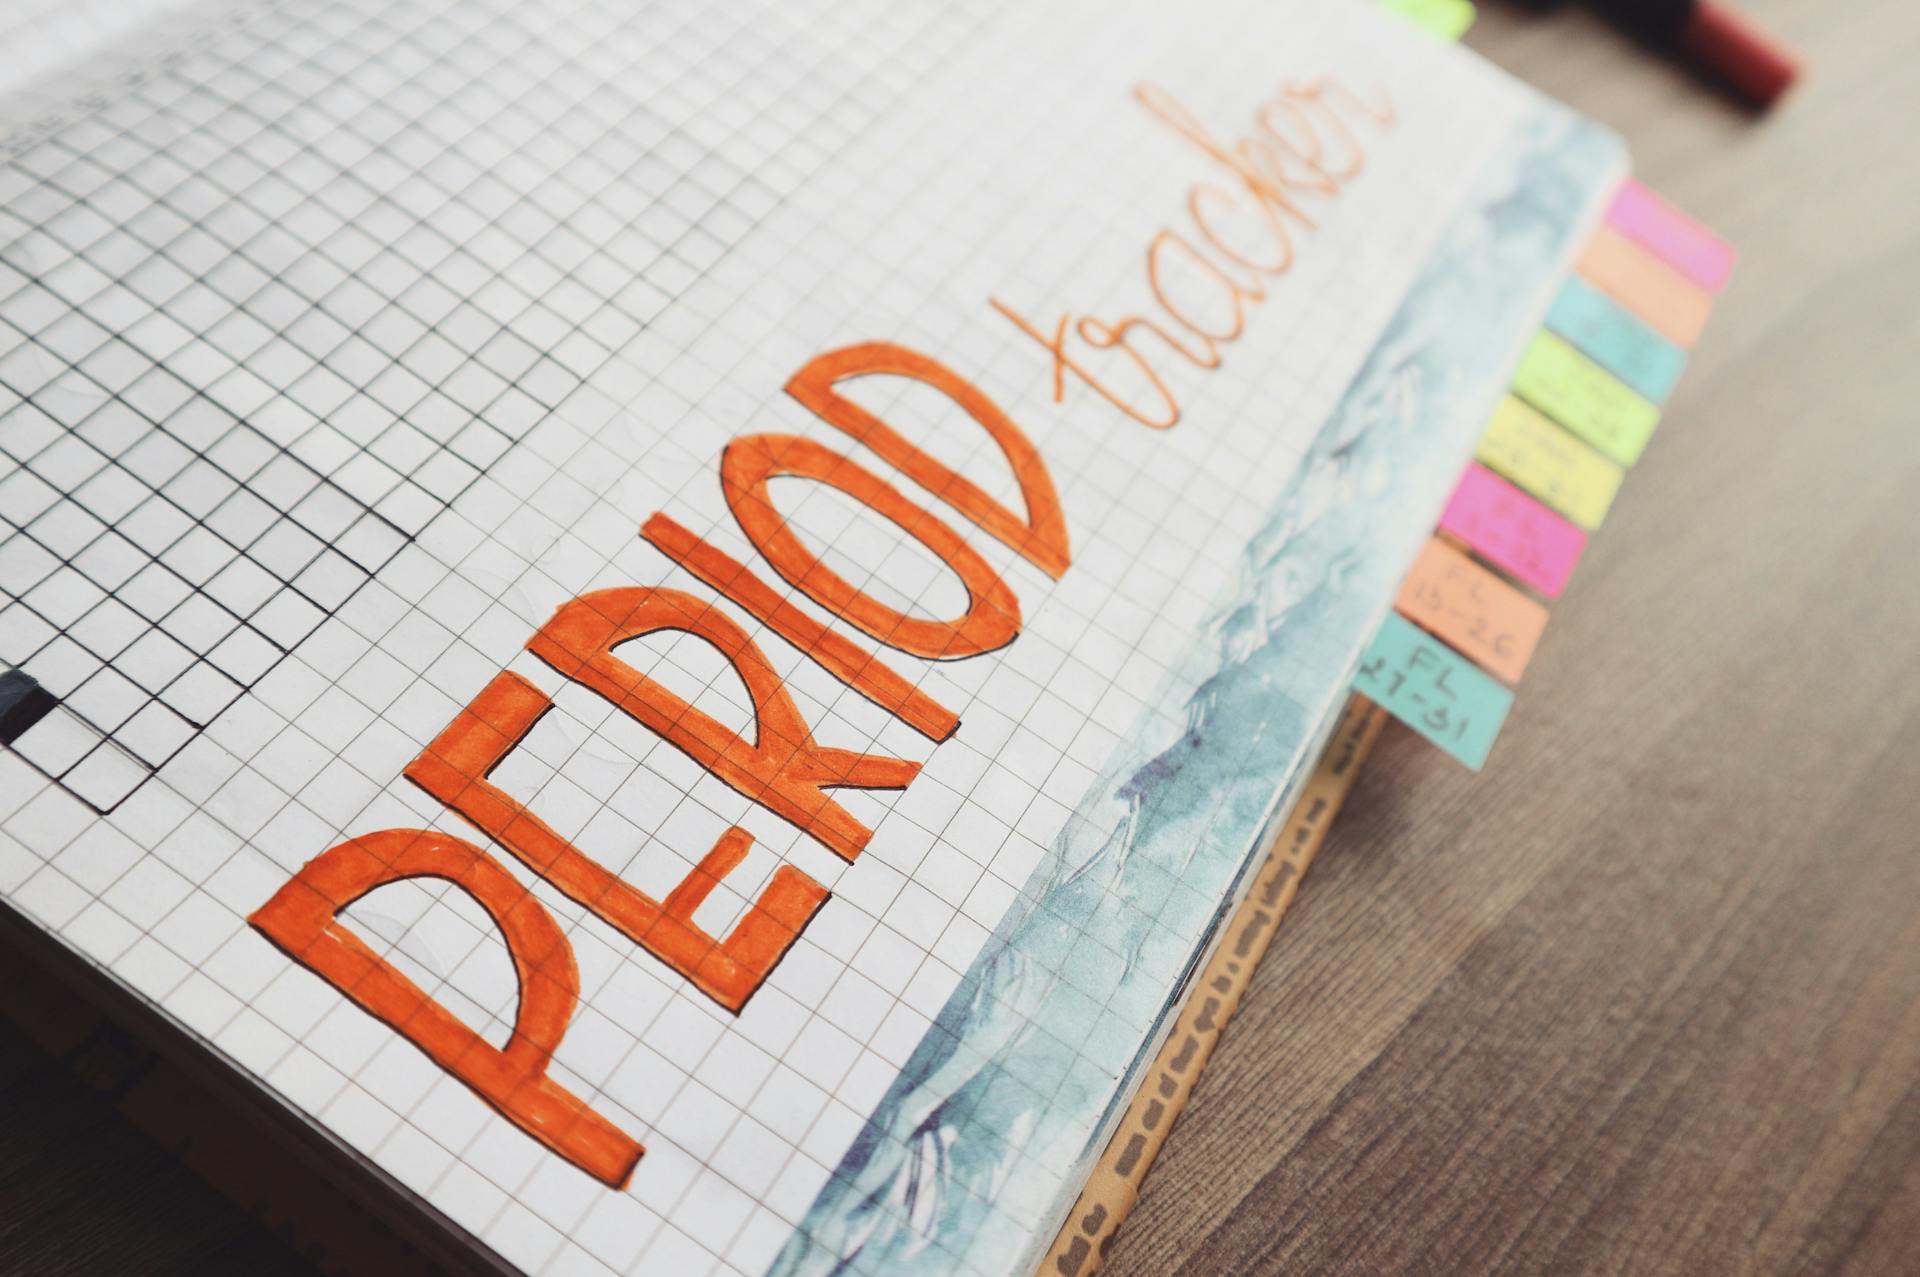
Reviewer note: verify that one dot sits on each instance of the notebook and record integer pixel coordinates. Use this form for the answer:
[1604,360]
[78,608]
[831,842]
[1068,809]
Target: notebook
[670,628]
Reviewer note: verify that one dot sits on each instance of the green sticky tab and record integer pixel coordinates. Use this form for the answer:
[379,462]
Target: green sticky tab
[1585,398]
[1434,690]
[1448,19]
[1549,462]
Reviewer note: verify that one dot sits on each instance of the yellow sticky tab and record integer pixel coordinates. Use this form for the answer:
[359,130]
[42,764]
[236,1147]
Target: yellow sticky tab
[1562,472]
[1585,398]
[1448,19]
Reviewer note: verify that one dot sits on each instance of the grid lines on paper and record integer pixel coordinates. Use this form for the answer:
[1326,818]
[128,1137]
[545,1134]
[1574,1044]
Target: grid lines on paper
[881,218]
[271,308]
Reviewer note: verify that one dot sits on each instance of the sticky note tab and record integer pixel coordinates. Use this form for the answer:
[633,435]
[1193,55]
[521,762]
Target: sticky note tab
[1473,610]
[1434,690]
[1448,19]
[1585,398]
[1616,339]
[1669,301]
[1554,466]
[1672,236]
[1512,531]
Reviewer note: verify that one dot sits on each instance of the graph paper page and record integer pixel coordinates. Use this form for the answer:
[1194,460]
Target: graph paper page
[595,594]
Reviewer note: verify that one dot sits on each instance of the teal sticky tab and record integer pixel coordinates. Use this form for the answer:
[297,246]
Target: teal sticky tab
[1616,339]
[1434,690]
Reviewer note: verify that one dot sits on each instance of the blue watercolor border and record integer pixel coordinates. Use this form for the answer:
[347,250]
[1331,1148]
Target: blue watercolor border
[976,1152]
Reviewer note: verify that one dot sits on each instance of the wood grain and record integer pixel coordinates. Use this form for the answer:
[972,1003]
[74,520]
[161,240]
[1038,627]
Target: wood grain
[1643,997]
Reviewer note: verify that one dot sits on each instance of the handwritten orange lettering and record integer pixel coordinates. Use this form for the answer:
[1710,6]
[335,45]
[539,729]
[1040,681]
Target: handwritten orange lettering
[992,617]
[1258,169]
[302,919]
[1289,134]
[1354,155]
[1041,539]
[1285,156]
[1204,224]
[1064,362]
[782,768]
[1235,298]
[454,769]
[857,668]
[1203,281]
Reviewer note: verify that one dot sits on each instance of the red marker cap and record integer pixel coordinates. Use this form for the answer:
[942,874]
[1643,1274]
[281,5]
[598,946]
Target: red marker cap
[1753,63]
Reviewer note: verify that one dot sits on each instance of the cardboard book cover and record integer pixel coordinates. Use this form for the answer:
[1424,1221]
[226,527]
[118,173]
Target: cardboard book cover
[672,625]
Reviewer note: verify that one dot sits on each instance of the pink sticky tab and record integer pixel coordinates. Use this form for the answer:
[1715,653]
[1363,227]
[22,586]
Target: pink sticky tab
[1671,235]
[1512,531]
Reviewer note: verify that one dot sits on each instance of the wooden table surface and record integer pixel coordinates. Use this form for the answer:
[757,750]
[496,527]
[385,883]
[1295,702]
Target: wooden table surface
[1644,996]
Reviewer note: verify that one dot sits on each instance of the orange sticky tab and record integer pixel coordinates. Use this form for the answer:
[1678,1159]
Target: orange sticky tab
[1472,610]
[1647,286]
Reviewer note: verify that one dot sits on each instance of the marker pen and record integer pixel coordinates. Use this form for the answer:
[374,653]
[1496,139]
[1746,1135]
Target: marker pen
[1713,37]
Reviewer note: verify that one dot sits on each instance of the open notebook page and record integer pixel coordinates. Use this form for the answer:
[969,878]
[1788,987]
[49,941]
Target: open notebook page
[675,623]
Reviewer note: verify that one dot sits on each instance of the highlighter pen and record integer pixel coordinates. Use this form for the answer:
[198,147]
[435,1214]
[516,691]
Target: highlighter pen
[1714,38]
